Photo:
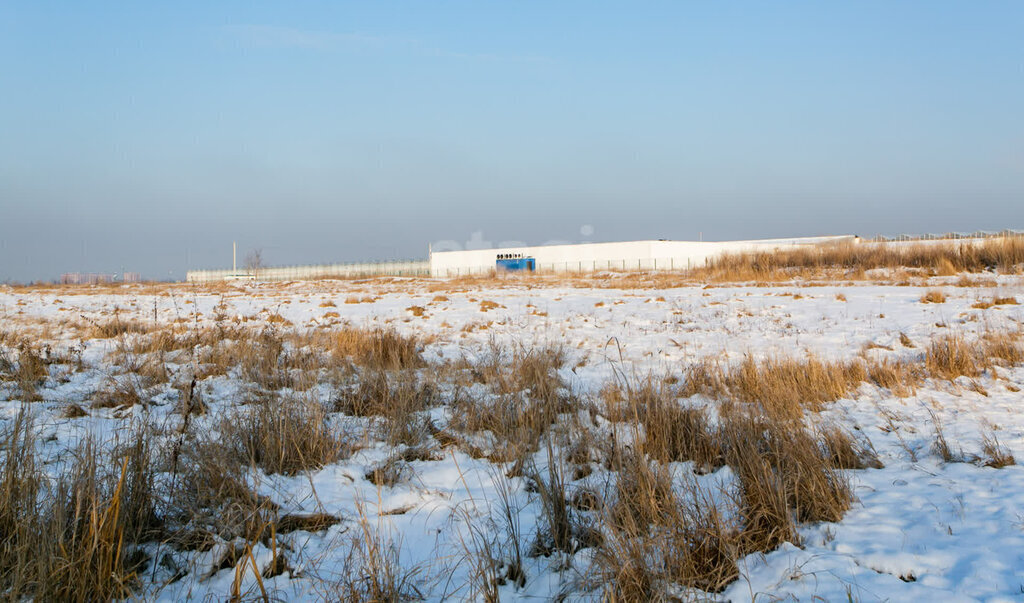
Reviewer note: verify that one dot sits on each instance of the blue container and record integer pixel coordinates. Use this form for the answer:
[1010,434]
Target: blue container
[516,265]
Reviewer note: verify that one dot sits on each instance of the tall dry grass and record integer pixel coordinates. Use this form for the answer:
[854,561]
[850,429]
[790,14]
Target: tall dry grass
[527,396]
[786,386]
[75,538]
[852,260]
[284,435]
[671,432]
[655,535]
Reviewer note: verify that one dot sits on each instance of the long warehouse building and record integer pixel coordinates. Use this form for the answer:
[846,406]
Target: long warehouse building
[589,257]
[581,257]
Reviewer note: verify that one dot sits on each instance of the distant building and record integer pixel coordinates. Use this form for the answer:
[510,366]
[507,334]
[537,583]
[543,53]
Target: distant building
[589,257]
[85,278]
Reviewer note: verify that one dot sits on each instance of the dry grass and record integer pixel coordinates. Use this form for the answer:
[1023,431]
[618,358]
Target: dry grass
[998,455]
[656,535]
[933,297]
[372,569]
[647,535]
[950,356]
[781,466]
[20,484]
[941,445]
[283,435]
[274,359]
[528,395]
[74,539]
[564,528]
[656,538]
[900,377]
[116,327]
[399,398]
[31,370]
[786,386]
[375,348]
[487,305]
[846,453]
[672,432]
[995,301]
[851,261]
[213,496]
[782,386]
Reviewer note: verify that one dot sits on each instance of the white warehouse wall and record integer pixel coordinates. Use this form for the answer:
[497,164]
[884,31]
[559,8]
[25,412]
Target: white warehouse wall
[643,255]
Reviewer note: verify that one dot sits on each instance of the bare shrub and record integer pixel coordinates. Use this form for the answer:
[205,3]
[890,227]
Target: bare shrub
[933,297]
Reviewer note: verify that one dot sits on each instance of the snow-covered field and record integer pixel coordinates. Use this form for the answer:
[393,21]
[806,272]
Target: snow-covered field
[919,528]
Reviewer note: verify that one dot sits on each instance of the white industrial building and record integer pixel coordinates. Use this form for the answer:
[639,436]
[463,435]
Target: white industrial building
[632,255]
[581,257]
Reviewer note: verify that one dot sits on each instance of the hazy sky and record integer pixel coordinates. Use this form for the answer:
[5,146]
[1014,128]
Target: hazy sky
[148,138]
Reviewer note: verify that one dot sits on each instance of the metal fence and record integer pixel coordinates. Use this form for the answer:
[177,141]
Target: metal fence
[945,236]
[296,273]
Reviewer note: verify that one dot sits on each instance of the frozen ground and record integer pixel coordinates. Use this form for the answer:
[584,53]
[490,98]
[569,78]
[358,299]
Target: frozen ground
[920,528]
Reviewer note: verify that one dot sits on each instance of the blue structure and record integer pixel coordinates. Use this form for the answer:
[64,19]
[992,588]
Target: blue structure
[515,262]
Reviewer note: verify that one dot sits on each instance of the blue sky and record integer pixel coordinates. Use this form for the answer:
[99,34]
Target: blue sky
[143,137]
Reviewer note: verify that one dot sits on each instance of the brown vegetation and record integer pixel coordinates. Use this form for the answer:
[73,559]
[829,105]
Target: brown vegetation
[853,260]
[282,435]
